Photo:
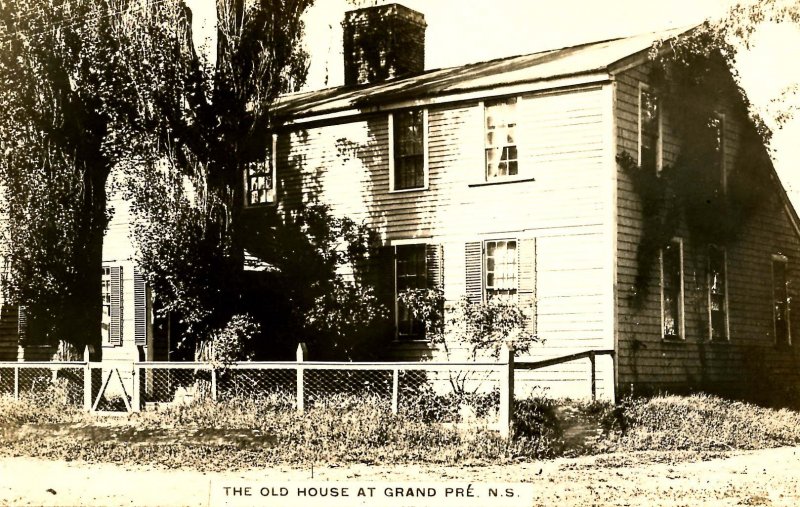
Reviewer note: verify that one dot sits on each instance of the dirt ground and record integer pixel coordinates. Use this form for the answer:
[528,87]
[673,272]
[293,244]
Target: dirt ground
[768,477]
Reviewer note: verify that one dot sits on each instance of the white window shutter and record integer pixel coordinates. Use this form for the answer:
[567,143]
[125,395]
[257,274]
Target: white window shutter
[474,271]
[527,278]
[22,323]
[434,266]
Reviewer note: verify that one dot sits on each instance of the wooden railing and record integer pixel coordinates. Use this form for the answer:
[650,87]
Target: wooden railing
[586,354]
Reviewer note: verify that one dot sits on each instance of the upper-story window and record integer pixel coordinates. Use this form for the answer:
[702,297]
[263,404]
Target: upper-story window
[501,139]
[260,179]
[408,142]
[716,125]
[649,130]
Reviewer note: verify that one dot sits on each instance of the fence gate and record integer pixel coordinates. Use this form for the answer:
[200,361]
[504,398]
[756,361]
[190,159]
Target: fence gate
[111,395]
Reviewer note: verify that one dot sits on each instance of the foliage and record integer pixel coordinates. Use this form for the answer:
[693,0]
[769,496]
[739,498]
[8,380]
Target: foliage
[232,343]
[536,423]
[198,124]
[322,283]
[482,328]
[694,80]
[62,91]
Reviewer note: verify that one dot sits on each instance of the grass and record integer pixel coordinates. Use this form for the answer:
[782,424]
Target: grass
[260,432]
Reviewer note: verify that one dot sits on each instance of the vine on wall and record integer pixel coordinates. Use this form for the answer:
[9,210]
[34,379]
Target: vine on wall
[691,191]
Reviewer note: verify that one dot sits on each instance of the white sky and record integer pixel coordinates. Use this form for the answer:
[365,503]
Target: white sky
[466,31]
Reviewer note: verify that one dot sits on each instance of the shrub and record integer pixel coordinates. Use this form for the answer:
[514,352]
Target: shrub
[537,429]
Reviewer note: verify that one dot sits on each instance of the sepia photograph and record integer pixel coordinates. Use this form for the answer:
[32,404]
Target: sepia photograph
[399,253]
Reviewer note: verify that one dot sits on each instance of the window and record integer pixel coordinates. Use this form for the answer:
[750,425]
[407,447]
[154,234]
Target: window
[500,142]
[106,295]
[717,294]
[672,290]
[780,300]
[501,268]
[649,131]
[408,141]
[260,179]
[410,274]
[111,293]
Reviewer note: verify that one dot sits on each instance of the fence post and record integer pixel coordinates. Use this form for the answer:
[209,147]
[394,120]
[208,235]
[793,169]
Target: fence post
[214,384]
[302,352]
[594,375]
[136,394]
[87,381]
[395,388]
[506,413]
[16,382]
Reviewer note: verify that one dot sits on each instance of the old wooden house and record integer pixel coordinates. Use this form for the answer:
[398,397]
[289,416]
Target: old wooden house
[506,177]
[523,176]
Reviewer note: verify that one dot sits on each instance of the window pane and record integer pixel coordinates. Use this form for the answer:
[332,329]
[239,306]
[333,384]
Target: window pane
[649,119]
[671,290]
[501,268]
[780,301]
[411,274]
[408,150]
[717,293]
[501,148]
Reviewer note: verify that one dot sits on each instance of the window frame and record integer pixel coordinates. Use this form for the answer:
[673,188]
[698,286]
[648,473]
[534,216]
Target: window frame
[485,269]
[788,314]
[396,246]
[726,298]
[681,337]
[392,149]
[645,88]
[485,106]
[723,173]
[272,194]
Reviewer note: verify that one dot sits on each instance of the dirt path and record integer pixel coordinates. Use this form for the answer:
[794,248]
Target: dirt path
[769,477]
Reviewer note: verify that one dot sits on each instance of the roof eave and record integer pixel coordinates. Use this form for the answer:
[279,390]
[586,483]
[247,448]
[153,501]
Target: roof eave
[379,104]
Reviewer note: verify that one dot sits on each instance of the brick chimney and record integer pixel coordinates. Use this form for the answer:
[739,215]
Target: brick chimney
[382,42]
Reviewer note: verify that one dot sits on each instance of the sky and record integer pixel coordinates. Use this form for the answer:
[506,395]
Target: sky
[468,31]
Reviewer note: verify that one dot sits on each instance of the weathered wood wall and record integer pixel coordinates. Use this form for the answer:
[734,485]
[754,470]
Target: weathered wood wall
[750,361]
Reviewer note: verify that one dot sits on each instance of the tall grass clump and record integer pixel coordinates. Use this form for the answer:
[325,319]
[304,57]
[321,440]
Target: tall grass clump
[705,422]
[45,407]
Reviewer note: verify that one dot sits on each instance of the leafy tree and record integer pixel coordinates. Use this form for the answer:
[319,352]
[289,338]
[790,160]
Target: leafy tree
[199,124]
[62,89]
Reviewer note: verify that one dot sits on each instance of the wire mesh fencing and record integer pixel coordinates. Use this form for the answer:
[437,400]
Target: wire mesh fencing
[427,392]
[58,382]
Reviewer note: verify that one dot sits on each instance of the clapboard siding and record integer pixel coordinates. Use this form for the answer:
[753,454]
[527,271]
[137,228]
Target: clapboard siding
[564,203]
[750,358]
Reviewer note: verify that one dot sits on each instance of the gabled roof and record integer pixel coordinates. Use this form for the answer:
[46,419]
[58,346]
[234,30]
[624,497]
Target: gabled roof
[544,66]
